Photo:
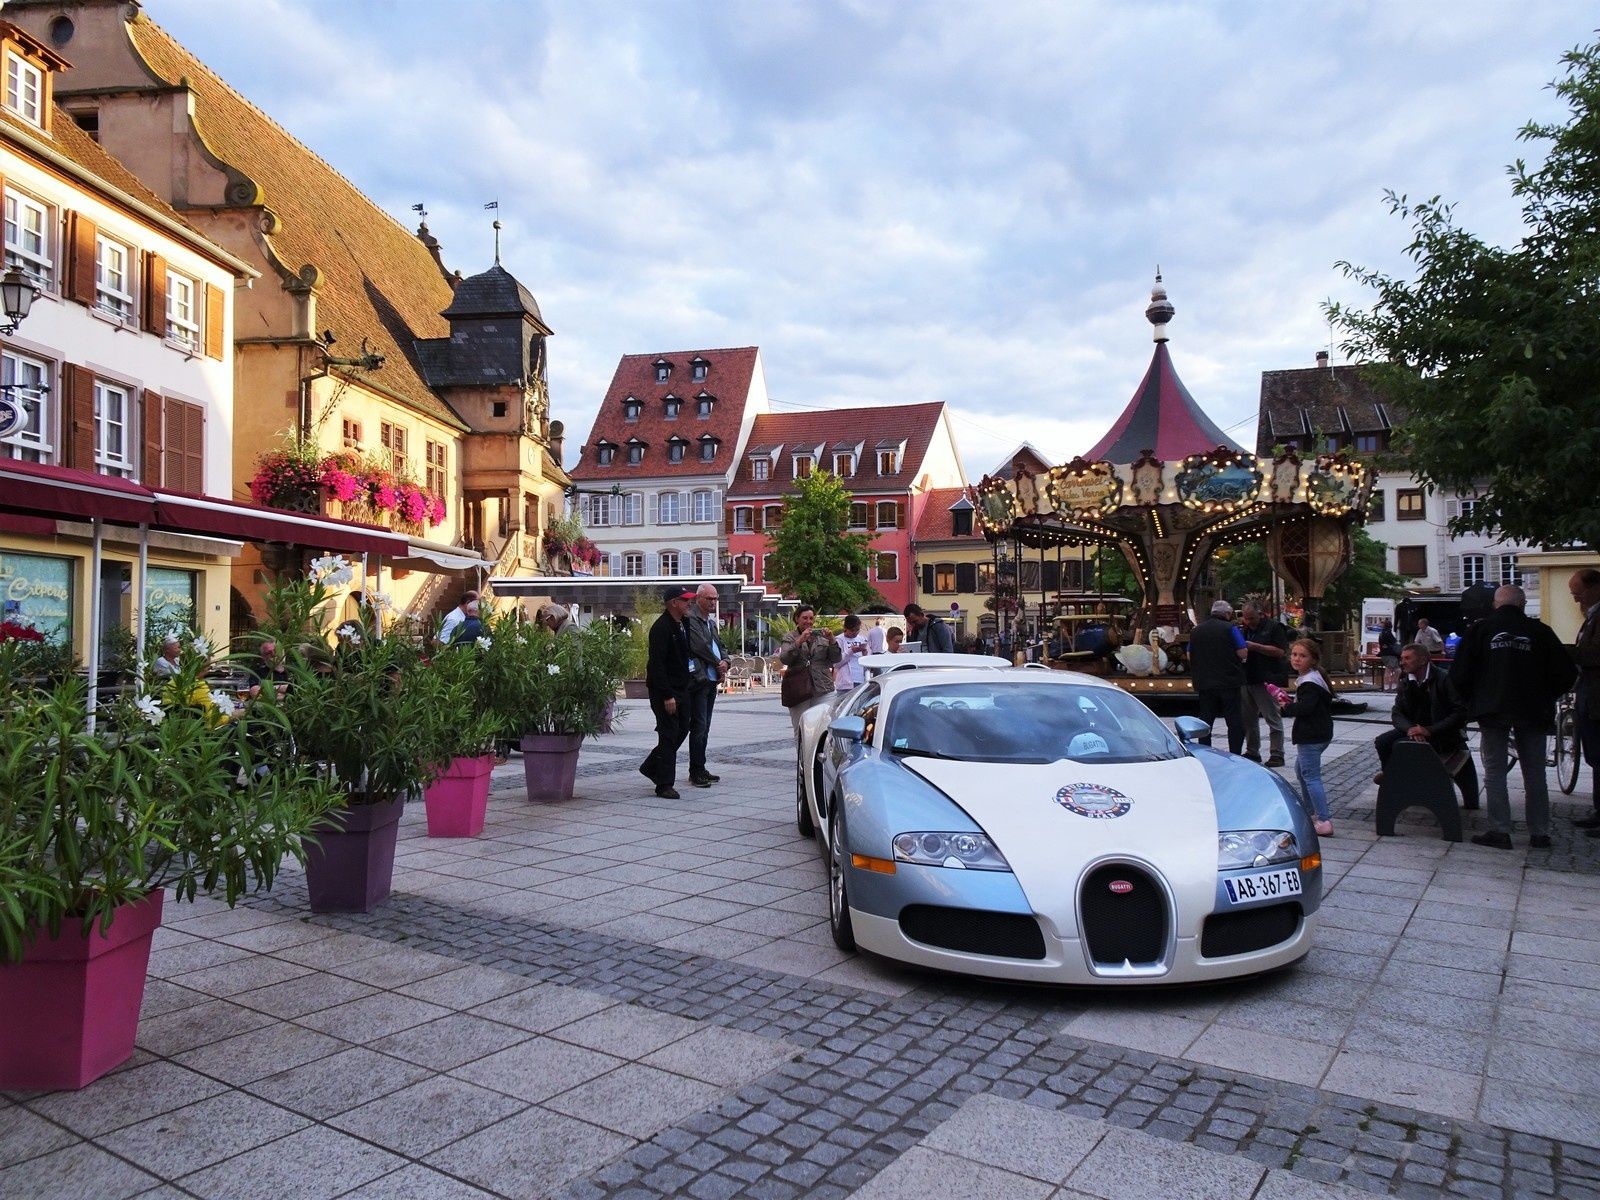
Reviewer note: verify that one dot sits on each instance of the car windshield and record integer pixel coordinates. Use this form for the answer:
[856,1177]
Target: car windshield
[1026,723]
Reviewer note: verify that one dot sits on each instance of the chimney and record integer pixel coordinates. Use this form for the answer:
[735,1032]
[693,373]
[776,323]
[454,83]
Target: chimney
[1322,358]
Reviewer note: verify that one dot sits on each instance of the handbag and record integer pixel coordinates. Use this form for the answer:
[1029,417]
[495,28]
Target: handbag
[797,686]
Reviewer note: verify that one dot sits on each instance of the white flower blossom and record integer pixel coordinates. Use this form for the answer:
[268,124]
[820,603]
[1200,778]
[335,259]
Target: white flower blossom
[380,600]
[332,570]
[150,709]
[553,669]
[223,703]
[485,644]
[201,646]
[350,632]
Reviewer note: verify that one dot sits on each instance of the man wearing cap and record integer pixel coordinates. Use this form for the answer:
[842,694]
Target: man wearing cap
[667,679]
[707,667]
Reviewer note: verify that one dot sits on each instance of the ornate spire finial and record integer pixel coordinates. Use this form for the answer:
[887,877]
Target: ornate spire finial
[1160,309]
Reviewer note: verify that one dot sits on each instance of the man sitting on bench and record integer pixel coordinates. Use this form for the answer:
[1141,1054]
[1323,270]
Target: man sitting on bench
[1427,709]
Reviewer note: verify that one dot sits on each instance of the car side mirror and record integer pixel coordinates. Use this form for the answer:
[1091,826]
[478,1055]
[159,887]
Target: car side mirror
[1190,729]
[848,729]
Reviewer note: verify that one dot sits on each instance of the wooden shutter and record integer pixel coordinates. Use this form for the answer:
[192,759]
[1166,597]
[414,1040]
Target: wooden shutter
[80,247]
[927,579]
[899,514]
[872,516]
[1453,571]
[151,440]
[215,320]
[966,577]
[77,414]
[184,467]
[153,300]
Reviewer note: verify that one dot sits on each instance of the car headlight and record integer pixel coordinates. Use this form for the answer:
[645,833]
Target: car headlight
[966,851]
[1255,848]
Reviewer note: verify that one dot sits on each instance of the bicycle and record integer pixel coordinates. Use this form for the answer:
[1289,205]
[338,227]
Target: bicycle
[1568,756]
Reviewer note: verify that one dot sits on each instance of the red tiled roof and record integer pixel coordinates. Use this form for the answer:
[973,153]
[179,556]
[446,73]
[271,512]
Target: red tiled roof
[378,281]
[727,381]
[934,523]
[915,424]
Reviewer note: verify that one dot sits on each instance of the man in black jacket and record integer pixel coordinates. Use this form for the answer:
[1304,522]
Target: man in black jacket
[1509,670]
[708,666]
[1426,709]
[667,679]
[1216,666]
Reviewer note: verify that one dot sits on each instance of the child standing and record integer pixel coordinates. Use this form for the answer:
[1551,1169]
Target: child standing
[1312,710]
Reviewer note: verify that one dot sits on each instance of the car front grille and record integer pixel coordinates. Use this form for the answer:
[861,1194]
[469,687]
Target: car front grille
[1125,917]
[973,931]
[1249,929]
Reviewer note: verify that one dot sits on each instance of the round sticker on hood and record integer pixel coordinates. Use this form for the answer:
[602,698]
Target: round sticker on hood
[1094,801]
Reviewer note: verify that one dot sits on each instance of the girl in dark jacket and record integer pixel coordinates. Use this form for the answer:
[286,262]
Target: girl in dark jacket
[1312,710]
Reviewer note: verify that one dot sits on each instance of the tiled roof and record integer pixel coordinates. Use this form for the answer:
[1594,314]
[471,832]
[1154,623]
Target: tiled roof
[934,523]
[727,381]
[915,424]
[1336,400]
[378,281]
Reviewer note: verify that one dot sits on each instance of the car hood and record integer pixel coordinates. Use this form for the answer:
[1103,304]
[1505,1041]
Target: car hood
[1170,823]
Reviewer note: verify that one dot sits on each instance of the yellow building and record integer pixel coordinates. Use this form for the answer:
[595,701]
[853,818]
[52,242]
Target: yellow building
[356,337]
[953,563]
[119,379]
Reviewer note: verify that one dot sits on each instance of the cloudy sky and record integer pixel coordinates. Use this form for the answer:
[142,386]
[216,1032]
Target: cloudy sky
[907,201]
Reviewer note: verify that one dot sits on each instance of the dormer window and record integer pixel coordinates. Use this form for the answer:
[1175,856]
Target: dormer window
[699,367]
[635,452]
[961,522]
[708,448]
[889,461]
[663,370]
[674,405]
[702,405]
[760,468]
[25,89]
[802,465]
[676,447]
[630,409]
[605,454]
[844,465]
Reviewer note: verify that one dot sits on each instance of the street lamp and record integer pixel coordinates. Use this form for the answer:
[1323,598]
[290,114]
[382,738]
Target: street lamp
[17,293]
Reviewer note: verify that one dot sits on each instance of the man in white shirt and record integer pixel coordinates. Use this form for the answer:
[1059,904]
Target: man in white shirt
[877,638]
[452,621]
[853,647]
[1428,637]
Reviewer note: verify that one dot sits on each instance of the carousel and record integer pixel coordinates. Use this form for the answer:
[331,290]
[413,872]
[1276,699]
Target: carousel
[1167,489]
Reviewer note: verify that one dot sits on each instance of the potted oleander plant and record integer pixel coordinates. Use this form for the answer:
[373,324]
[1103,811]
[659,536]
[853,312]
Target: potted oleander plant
[179,791]
[553,690]
[360,707]
[457,797]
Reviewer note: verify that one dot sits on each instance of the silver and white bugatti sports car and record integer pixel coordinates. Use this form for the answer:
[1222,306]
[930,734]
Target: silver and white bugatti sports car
[1045,826]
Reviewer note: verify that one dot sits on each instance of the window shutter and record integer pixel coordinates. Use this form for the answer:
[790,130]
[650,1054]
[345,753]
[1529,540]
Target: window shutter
[185,452]
[216,317]
[899,514]
[153,303]
[759,517]
[872,515]
[150,459]
[1452,509]
[79,278]
[966,577]
[653,509]
[77,413]
[652,564]
[927,579]
[685,509]
[1453,571]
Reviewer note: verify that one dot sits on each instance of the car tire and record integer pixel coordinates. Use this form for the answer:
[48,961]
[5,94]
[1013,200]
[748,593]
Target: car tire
[802,810]
[844,935]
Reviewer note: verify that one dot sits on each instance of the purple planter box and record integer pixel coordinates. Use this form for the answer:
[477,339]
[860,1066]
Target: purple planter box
[458,800]
[70,1009]
[352,868]
[550,764]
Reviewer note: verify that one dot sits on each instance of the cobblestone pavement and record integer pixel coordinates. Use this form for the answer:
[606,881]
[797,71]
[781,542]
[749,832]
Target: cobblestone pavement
[625,997]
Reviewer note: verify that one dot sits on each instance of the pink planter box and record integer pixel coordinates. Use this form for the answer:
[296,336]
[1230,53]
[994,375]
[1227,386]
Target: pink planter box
[458,800]
[70,1009]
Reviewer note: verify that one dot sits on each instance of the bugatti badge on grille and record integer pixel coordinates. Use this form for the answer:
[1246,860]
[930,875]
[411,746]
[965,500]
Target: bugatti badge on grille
[1120,887]
[1094,801]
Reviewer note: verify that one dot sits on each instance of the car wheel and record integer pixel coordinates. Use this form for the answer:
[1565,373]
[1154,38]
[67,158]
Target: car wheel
[802,811]
[838,899]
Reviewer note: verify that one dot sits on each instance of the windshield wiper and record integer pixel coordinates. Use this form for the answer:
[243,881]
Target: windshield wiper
[919,752]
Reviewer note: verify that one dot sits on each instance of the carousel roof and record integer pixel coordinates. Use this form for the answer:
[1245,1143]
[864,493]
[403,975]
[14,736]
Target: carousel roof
[1162,417]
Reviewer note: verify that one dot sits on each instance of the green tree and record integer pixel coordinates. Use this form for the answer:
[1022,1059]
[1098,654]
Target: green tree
[1495,353]
[813,555]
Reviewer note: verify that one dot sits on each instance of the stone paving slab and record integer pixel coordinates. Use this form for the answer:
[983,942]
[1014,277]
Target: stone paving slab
[523,1018]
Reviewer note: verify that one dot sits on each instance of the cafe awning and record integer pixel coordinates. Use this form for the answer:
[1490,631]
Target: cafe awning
[250,523]
[42,490]
[439,558]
